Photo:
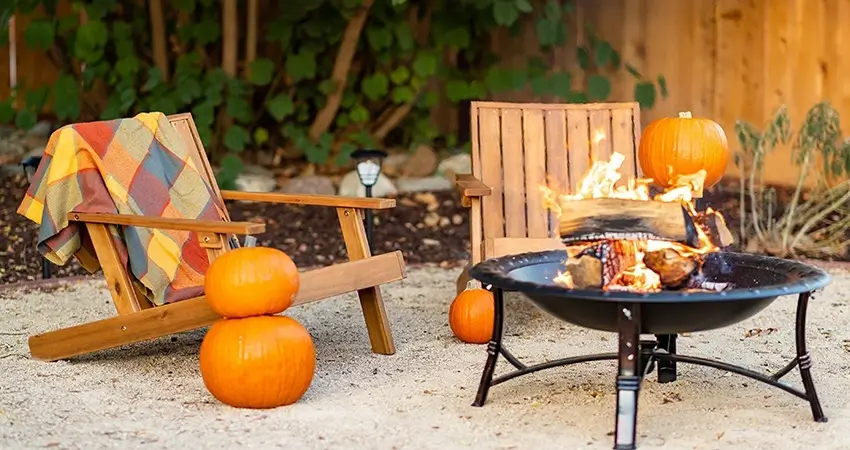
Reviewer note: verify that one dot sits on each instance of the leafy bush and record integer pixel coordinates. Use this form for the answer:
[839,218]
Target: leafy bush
[814,223]
[317,77]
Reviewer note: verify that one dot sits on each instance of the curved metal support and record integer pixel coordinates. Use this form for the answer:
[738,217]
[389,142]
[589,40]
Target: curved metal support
[785,370]
[555,363]
[511,358]
[733,369]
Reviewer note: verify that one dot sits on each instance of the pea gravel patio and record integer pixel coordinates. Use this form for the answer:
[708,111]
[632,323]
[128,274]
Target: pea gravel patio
[151,394]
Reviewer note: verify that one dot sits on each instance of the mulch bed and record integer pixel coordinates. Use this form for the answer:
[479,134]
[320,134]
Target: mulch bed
[308,234]
[430,228]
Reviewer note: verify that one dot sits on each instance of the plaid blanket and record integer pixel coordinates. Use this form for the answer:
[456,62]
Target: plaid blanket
[138,166]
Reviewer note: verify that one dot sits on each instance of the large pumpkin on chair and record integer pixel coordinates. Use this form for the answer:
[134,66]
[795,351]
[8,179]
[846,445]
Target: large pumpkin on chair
[683,145]
[257,362]
[471,314]
[251,281]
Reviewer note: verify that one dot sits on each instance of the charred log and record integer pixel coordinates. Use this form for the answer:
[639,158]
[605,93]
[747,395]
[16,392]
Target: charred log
[673,267]
[597,265]
[714,226]
[618,219]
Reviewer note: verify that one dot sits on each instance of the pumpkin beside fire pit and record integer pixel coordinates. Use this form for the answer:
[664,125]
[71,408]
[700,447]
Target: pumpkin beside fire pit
[471,314]
[252,358]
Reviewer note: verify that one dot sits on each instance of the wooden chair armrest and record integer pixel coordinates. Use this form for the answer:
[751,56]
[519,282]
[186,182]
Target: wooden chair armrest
[472,187]
[207,226]
[311,200]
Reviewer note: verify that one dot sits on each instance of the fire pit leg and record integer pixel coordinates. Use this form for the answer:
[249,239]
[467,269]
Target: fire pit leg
[628,377]
[493,348]
[667,368]
[804,360]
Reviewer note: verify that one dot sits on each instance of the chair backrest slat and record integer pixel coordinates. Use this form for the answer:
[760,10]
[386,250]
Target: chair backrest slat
[519,147]
[490,129]
[514,176]
[534,142]
[185,126]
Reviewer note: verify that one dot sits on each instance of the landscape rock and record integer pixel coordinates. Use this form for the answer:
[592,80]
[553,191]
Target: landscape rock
[309,184]
[393,163]
[42,129]
[455,164]
[254,169]
[430,242]
[252,182]
[422,162]
[425,184]
[350,186]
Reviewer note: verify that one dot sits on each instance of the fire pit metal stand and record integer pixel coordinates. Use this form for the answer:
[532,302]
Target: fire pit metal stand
[637,358]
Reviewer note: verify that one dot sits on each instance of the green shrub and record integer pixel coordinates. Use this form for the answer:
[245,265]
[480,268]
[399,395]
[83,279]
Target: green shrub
[319,86]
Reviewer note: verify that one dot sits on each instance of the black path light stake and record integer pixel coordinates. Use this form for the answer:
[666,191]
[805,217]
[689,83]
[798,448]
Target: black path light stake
[368,166]
[30,165]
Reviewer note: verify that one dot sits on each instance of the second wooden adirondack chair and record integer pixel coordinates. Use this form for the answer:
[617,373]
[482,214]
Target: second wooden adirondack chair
[516,148]
[138,319]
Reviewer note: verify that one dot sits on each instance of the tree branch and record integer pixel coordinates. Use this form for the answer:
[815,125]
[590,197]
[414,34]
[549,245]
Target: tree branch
[159,38]
[339,74]
[230,37]
[392,119]
[251,37]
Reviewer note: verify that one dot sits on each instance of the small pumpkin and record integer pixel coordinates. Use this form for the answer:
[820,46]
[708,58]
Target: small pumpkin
[683,145]
[471,314]
[257,362]
[251,281]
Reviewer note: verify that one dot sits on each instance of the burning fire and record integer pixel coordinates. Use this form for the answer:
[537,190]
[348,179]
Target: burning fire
[600,182]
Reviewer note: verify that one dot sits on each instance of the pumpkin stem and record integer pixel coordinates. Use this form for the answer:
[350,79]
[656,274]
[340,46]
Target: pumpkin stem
[250,241]
[685,115]
[473,284]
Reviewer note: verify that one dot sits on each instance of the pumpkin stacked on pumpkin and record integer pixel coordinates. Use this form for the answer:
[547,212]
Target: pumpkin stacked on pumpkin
[252,358]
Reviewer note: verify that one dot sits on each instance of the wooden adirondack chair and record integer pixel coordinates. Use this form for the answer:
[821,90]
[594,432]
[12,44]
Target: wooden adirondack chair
[516,148]
[139,320]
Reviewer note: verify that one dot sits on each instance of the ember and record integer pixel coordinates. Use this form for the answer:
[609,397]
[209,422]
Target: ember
[640,243]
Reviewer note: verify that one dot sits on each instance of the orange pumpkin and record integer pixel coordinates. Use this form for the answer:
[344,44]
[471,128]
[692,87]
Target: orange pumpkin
[251,281]
[471,314]
[683,145]
[257,362]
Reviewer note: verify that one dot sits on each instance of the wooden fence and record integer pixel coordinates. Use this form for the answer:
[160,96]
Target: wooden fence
[722,59]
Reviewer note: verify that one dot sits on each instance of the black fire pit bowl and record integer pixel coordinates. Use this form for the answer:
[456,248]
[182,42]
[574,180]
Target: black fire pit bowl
[756,282]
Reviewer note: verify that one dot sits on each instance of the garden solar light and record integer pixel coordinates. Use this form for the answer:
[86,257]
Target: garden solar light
[368,165]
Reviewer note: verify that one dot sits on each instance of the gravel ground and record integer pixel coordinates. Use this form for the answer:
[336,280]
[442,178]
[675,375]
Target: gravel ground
[151,394]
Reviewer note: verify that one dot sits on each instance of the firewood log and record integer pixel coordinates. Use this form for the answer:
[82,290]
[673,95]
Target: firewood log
[614,219]
[597,265]
[714,226]
[673,267]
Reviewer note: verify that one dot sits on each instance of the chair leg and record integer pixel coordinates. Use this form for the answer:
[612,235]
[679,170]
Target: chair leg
[371,300]
[462,279]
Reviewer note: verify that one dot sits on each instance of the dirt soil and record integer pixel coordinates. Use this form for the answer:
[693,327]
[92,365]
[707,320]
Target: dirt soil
[150,395]
[427,228]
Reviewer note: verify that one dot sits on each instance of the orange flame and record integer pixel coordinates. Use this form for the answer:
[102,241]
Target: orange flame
[600,182]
